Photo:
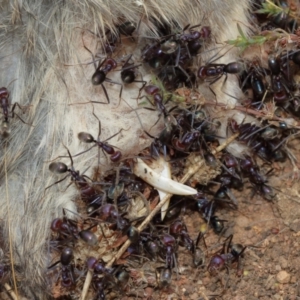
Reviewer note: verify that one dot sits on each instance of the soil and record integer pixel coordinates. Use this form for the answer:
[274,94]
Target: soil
[270,264]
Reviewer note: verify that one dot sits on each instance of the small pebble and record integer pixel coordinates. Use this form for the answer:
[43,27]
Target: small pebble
[283,262]
[283,277]
[293,279]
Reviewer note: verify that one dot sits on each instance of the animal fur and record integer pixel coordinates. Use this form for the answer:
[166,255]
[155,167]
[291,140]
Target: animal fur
[42,54]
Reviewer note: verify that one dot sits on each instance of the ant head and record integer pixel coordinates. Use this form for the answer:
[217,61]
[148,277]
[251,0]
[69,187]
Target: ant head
[85,137]
[58,167]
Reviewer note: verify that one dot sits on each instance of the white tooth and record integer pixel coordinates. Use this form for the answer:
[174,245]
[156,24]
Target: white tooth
[160,182]
[166,172]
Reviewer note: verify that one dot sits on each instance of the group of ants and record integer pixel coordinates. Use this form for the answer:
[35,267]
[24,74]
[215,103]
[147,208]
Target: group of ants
[187,130]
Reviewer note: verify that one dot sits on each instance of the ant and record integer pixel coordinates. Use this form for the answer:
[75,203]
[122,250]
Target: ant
[101,71]
[215,71]
[67,268]
[163,276]
[65,227]
[254,79]
[161,142]
[168,243]
[191,40]
[250,169]
[109,213]
[188,139]
[88,193]
[100,284]
[207,209]
[228,255]
[128,74]
[115,156]
[154,91]
[5,105]
[178,229]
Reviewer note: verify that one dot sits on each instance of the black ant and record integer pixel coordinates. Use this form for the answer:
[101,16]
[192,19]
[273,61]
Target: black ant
[109,213]
[85,137]
[178,230]
[213,72]
[128,74]
[207,208]
[169,247]
[154,91]
[107,280]
[228,255]
[67,268]
[5,105]
[99,77]
[158,99]
[87,192]
[251,170]
[66,227]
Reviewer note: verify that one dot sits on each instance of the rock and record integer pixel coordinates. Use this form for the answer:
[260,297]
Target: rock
[283,277]
[283,262]
[277,268]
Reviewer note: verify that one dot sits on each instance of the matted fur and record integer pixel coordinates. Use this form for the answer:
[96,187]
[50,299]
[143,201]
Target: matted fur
[38,38]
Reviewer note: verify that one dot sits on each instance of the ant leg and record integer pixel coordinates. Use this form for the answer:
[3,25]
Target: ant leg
[105,92]
[16,104]
[156,121]
[22,120]
[120,95]
[144,84]
[93,57]
[229,239]
[188,26]
[70,156]
[83,151]
[148,101]
[114,82]
[56,182]
[114,135]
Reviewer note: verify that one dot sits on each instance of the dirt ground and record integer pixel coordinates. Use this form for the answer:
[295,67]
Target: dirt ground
[270,263]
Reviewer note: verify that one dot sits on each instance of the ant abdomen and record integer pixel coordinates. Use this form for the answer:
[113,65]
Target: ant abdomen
[217,262]
[116,156]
